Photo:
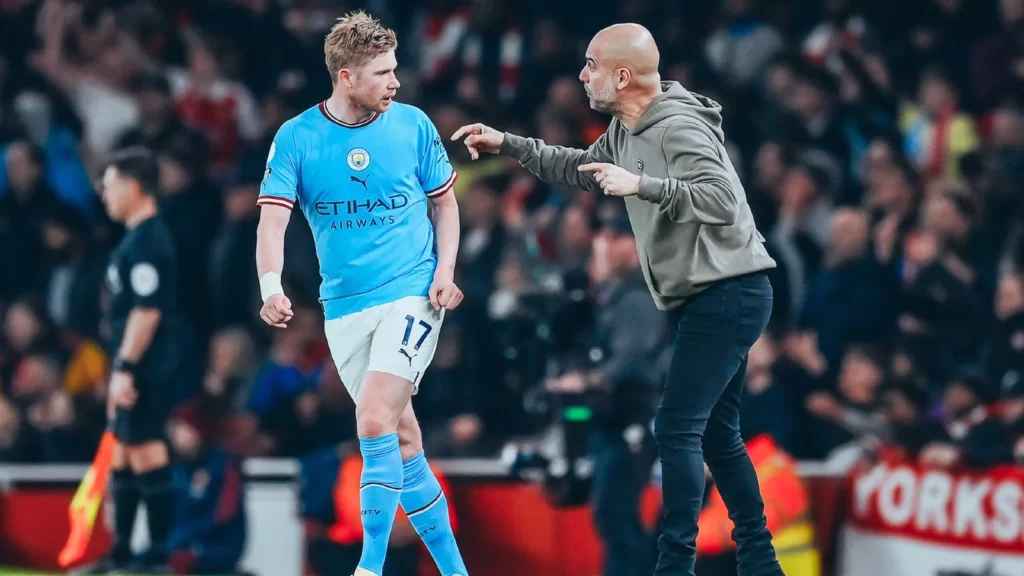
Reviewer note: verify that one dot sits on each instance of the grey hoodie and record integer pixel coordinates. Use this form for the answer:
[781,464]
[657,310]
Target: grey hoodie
[691,219]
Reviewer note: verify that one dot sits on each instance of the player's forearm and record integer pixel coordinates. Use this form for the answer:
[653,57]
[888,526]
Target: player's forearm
[555,164]
[138,333]
[447,229]
[270,245]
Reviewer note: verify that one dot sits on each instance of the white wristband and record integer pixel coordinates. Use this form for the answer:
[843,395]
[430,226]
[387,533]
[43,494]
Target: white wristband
[270,284]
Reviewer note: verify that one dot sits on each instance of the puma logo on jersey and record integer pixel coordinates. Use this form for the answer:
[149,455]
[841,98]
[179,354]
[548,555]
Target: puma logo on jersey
[403,352]
[363,181]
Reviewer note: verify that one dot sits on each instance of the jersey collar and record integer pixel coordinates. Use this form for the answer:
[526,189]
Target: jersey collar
[327,114]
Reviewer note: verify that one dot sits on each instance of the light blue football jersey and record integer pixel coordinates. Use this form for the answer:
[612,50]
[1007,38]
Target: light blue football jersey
[364,189]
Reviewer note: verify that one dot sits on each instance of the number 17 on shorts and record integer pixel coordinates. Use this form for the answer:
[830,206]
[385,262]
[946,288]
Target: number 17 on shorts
[396,338]
[406,338]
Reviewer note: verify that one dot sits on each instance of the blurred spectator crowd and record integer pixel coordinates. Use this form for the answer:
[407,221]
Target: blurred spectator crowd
[881,145]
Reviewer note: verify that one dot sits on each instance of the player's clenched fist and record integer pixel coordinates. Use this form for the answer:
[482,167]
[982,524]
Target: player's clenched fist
[277,310]
[480,138]
[444,293]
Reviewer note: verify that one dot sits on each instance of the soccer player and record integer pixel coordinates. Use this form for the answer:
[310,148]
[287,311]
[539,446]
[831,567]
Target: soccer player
[141,278]
[364,169]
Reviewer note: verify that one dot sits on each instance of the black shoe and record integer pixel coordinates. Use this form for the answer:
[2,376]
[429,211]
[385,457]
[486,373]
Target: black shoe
[107,565]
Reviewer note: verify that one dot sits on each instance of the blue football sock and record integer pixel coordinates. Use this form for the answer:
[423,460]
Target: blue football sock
[425,504]
[380,489]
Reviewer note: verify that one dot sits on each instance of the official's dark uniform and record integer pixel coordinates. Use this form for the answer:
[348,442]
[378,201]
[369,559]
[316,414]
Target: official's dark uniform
[143,274]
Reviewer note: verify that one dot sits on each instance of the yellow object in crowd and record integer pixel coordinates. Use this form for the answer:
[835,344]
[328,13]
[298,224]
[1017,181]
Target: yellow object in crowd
[87,369]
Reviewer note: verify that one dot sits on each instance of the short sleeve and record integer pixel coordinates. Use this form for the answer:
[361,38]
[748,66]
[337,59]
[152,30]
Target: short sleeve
[436,173]
[151,281]
[281,179]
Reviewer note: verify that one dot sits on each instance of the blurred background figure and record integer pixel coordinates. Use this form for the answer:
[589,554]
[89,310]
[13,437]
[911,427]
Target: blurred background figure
[616,371]
[209,532]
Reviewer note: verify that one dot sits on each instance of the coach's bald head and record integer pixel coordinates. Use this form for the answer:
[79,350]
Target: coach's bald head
[629,46]
[622,65]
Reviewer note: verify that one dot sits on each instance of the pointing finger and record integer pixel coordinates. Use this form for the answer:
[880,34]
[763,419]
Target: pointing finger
[467,129]
[592,167]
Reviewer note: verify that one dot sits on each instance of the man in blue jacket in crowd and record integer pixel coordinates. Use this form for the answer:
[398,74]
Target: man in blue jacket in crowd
[210,524]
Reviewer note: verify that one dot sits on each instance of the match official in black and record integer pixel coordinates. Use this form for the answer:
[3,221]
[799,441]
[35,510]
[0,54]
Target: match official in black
[703,260]
[140,279]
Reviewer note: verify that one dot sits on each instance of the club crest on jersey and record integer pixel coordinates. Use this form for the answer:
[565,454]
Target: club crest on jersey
[358,159]
[270,156]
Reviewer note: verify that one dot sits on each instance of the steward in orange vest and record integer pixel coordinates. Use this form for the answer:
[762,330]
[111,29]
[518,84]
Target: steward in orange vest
[786,506]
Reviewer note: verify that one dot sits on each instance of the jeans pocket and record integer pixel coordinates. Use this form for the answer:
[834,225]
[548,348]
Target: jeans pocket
[755,311]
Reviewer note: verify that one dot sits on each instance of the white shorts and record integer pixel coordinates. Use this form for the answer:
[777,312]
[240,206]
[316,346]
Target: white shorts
[397,338]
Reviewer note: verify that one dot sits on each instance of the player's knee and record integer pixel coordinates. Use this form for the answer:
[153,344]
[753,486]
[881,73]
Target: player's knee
[376,421]
[410,441]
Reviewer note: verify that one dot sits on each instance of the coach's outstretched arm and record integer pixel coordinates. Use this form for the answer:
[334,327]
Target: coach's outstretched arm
[556,164]
[277,309]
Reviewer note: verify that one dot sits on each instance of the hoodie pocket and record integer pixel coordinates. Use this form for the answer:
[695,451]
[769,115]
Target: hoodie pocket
[645,267]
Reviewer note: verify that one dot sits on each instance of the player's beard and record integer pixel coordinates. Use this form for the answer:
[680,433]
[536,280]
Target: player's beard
[375,103]
[384,103]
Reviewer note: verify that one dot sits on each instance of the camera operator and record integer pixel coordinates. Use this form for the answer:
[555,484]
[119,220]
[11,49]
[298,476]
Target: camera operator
[617,376]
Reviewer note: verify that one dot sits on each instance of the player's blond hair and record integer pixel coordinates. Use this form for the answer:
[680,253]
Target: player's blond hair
[354,40]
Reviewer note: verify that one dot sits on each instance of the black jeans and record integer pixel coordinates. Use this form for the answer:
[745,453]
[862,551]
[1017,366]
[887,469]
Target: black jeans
[621,473]
[699,421]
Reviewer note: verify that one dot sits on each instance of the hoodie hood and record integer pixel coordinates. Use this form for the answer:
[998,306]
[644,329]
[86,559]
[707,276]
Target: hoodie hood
[676,100]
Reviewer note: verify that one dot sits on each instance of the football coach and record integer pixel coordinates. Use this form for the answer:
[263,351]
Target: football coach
[703,260]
